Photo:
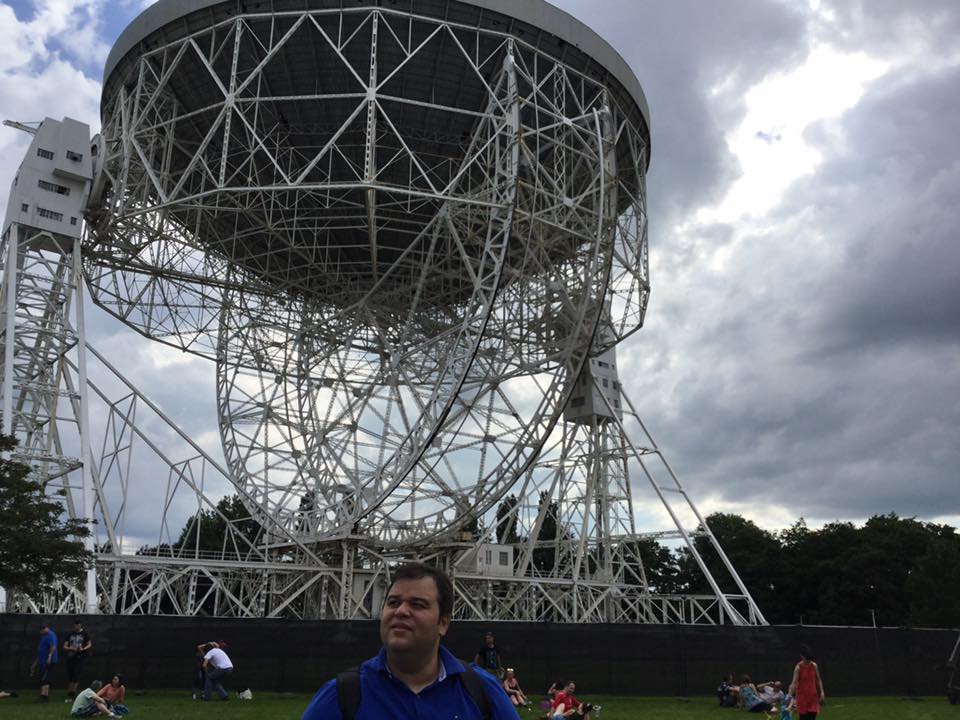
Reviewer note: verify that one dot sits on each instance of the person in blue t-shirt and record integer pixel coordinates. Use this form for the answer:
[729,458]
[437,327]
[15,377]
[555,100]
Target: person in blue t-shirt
[46,661]
[413,676]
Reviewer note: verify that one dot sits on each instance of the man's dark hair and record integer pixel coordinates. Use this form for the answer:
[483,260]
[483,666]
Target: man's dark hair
[416,571]
[806,653]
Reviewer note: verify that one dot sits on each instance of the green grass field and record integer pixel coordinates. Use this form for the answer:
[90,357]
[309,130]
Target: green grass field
[172,705]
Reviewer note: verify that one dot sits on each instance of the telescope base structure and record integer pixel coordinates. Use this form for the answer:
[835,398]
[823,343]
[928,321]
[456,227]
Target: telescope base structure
[212,588]
[563,547]
[567,535]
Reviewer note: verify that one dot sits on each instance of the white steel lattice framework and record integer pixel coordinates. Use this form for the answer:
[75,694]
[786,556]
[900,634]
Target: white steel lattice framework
[403,233]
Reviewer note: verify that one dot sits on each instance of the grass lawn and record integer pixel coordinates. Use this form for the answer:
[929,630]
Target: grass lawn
[164,705]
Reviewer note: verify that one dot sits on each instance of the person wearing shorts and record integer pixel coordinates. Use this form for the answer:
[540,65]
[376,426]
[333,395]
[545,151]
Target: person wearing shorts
[46,661]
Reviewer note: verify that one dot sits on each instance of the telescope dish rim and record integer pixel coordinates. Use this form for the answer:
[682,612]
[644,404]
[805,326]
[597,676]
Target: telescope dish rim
[536,13]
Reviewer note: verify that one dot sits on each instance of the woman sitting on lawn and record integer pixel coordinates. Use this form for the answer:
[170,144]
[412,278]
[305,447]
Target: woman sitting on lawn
[750,699]
[114,694]
[512,687]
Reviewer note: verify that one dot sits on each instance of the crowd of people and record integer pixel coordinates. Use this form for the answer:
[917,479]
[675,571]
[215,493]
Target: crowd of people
[413,672]
[212,665]
[560,702]
[97,699]
[804,695]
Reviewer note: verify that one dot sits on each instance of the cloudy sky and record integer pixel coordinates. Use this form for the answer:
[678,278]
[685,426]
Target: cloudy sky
[801,355]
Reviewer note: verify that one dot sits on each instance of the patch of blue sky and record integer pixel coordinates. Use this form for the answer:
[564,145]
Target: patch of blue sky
[23,9]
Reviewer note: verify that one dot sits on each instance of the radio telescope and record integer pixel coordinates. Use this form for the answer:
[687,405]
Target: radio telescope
[409,236]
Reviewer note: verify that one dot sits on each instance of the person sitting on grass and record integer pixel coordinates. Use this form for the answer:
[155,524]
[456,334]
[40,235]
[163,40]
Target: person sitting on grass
[728,693]
[114,694]
[88,703]
[512,686]
[751,699]
[771,692]
[566,704]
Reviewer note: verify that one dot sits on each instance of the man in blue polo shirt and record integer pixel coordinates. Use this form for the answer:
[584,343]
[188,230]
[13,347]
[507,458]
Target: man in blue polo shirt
[46,660]
[413,676]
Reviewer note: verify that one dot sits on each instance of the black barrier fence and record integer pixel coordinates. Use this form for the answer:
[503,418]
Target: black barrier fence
[671,660]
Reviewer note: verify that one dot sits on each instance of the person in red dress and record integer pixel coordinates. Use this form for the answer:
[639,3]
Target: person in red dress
[806,686]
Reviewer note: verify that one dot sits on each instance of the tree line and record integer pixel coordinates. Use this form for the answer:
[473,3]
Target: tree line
[891,571]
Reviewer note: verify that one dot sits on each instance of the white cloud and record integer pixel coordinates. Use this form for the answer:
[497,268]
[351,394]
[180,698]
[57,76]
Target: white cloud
[19,46]
[769,143]
[37,81]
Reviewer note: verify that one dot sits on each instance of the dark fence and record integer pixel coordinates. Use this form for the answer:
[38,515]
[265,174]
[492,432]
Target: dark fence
[671,660]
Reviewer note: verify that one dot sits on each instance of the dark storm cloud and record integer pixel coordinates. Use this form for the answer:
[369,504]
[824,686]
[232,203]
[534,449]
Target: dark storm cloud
[901,278]
[681,52]
[816,367]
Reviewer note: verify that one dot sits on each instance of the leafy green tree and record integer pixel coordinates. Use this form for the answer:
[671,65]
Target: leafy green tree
[660,565]
[934,586]
[545,555]
[507,521]
[754,552]
[208,532]
[38,544]
[812,563]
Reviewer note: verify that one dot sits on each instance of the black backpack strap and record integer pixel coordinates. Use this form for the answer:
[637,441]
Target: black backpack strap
[474,686]
[348,692]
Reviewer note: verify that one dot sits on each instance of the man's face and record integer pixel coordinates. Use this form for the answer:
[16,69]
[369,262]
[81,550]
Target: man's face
[571,686]
[44,630]
[410,621]
[489,640]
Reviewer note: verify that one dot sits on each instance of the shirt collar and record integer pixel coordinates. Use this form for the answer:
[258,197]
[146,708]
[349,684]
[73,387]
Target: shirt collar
[449,665]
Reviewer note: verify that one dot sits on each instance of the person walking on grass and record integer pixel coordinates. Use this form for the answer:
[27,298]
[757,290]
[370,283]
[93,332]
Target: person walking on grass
[413,676]
[46,661]
[807,686]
